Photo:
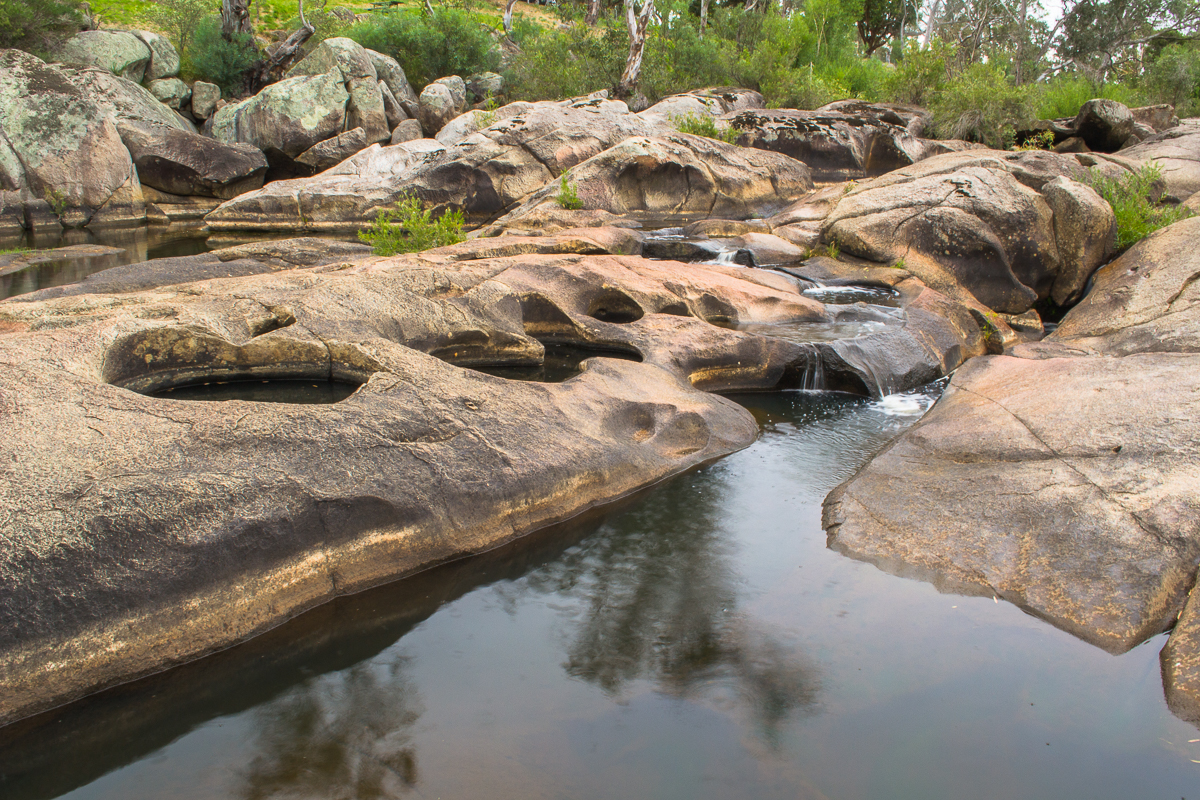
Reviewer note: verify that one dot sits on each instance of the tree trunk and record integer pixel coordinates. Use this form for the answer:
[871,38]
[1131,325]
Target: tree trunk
[508,12]
[637,22]
[703,17]
[281,58]
[235,18]
[593,12]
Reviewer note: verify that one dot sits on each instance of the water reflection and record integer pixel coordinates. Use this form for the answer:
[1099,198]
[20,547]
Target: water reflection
[346,735]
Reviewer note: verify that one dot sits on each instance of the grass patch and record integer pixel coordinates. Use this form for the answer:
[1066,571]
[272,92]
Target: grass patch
[408,229]
[8,251]
[704,125]
[1135,202]
[567,197]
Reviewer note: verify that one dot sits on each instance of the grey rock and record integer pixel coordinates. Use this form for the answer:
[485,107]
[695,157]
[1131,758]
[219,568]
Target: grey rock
[171,92]
[331,152]
[407,130]
[393,111]
[1085,230]
[204,99]
[437,107]
[365,106]
[484,85]
[1104,125]
[391,73]
[286,117]
[119,52]
[185,163]
[164,59]
[458,89]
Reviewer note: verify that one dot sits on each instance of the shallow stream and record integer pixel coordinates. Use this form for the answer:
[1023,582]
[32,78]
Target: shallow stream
[699,641]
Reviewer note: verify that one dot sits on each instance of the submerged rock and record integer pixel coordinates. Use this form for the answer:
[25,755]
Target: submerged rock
[1061,476]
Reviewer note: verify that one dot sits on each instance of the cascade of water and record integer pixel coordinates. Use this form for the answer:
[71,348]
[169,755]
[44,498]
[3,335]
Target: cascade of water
[726,257]
[871,361]
[812,378]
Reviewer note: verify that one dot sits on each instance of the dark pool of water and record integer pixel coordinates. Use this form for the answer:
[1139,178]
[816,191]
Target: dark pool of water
[304,392]
[562,361]
[700,642]
[137,244]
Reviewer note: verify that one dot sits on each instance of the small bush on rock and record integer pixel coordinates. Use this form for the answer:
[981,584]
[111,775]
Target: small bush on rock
[1135,203]
[408,229]
[704,125]
[567,197]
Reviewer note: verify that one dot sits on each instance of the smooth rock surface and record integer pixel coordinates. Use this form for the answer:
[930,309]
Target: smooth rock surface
[364,108]
[184,163]
[204,99]
[287,117]
[171,92]
[335,150]
[164,58]
[119,52]
[1177,152]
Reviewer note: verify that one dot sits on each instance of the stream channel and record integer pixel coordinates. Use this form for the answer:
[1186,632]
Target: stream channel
[696,641]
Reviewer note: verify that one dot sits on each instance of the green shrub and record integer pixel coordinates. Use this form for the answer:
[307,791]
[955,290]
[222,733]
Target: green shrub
[801,88]
[567,63]
[1134,200]
[218,61]
[179,21]
[428,48]
[1064,96]
[703,125]
[567,197]
[408,229]
[38,26]
[1174,78]
[921,73]
[980,105]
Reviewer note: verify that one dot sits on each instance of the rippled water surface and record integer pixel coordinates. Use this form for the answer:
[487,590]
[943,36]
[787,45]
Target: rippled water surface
[699,642]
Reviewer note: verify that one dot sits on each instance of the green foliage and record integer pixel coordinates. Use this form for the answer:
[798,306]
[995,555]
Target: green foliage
[21,248]
[801,88]
[1174,78]
[179,20]
[567,197]
[981,105]
[218,61]
[1135,202]
[1064,96]
[408,229]
[37,26]
[921,74]
[56,199]
[568,62]
[1039,141]
[452,43]
[703,125]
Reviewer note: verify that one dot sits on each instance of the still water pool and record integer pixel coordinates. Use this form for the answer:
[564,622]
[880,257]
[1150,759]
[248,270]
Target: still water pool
[699,641]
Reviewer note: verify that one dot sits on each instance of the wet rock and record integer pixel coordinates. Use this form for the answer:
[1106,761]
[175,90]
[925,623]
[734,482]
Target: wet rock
[333,151]
[214,548]
[171,92]
[1104,125]
[184,163]
[1060,477]
[678,177]
[204,99]
[972,224]
[119,52]
[164,59]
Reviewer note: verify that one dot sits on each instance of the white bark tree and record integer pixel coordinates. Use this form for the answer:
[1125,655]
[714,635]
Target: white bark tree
[637,20]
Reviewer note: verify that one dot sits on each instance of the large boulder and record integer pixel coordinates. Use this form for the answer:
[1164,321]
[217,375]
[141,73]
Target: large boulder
[437,107]
[60,152]
[353,63]
[483,175]
[1104,125]
[125,101]
[1176,151]
[1062,475]
[171,92]
[204,99]
[331,152]
[286,118]
[836,146]
[913,119]
[390,72]
[164,59]
[677,177]
[118,52]
[185,163]
[976,224]
[712,102]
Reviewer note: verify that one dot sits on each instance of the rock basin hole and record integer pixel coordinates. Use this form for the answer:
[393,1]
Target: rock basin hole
[699,641]
[563,361]
[300,391]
